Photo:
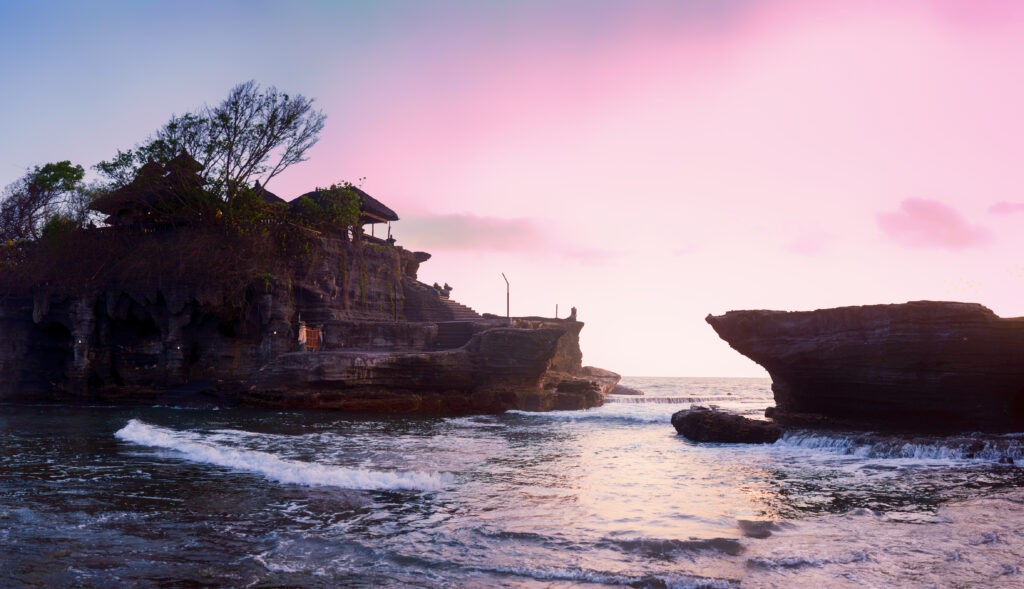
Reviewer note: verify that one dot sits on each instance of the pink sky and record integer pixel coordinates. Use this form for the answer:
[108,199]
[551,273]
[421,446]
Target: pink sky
[652,163]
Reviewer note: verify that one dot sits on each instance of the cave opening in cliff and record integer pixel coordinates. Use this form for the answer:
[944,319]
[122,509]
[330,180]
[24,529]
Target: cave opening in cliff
[132,329]
[1017,408]
[57,347]
[227,329]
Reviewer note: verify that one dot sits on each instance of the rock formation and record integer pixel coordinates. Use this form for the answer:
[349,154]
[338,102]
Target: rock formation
[916,366]
[702,424]
[624,390]
[389,343]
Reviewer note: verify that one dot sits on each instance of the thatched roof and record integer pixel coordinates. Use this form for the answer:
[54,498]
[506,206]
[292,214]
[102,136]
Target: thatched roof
[373,210]
[267,196]
[155,190]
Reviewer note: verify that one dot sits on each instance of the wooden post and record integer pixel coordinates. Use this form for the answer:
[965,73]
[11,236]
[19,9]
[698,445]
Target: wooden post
[508,315]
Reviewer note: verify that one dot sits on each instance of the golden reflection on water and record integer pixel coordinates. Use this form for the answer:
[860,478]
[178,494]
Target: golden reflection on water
[677,489]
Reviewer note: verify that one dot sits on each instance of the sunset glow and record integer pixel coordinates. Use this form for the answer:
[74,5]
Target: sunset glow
[648,163]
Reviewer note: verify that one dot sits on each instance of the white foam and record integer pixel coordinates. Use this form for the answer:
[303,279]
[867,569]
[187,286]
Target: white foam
[940,450]
[573,574]
[195,448]
[643,413]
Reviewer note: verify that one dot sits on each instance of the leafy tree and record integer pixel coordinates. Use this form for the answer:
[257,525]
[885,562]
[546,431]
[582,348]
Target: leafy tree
[43,193]
[335,207]
[254,134]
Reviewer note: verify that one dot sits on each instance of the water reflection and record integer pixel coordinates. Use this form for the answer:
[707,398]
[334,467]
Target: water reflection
[608,496]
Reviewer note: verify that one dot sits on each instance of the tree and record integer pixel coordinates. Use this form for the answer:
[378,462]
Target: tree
[43,193]
[254,134]
[336,207]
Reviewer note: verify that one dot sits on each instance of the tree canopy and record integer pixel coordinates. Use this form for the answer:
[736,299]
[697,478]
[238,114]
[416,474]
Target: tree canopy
[252,135]
[46,195]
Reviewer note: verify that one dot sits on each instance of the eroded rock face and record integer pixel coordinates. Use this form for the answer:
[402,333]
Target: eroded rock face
[702,424]
[916,366]
[157,341]
[498,369]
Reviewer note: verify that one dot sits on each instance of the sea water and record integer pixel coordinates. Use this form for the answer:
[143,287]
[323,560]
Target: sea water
[113,496]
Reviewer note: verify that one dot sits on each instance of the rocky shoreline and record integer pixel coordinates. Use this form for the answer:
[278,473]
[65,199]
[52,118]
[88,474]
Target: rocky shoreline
[356,332]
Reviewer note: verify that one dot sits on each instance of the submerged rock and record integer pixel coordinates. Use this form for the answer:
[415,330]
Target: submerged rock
[702,424]
[624,390]
[919,366]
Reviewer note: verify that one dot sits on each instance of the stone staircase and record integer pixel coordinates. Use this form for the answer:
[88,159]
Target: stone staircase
[460,312]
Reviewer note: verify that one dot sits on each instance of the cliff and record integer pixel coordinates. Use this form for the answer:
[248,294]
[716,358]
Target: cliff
[917,366]
[188,328]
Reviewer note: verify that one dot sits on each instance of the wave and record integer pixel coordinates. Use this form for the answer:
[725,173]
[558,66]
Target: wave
[577,575]
[997,448]
[667,548]
[657,400]
[197,449]
[796,562]
[618,411]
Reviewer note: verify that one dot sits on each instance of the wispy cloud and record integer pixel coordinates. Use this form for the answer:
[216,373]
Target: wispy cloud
[472,232]
[809,244]
[1006,208]
[929,223]
[459,232]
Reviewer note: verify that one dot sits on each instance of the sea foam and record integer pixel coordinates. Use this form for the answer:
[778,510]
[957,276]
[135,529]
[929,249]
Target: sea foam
[628,412]
[195,447]
[937,449]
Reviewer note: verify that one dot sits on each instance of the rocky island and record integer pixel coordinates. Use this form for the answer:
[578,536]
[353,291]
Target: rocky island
[282,305]
[922,366]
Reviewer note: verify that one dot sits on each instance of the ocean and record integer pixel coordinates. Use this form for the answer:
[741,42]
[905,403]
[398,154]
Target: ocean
[161,496]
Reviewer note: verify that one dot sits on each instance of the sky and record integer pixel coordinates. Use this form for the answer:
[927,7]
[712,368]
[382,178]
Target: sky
[649,163]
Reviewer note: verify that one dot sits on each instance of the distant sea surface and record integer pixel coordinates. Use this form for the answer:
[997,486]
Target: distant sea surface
[119,497]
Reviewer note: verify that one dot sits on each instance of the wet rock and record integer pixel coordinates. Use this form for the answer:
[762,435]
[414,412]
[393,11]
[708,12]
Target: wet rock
[623,390]
[757,529]
[702,424]
[498,369]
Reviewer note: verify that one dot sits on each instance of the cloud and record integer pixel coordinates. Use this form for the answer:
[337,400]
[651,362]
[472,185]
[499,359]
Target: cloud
[471,232]
[928,223]
[809,244]
[466,232]
[1006,208]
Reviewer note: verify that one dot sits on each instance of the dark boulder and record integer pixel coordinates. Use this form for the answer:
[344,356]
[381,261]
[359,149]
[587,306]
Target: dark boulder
[702,424]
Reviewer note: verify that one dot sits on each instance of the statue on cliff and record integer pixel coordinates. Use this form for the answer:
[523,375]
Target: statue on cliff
[572,315]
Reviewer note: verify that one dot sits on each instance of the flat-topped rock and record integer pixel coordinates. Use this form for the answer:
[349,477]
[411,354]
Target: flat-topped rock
[925,366]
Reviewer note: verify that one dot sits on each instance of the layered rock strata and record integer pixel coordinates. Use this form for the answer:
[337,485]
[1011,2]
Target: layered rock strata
[389,343]
[500,368]
[920,366]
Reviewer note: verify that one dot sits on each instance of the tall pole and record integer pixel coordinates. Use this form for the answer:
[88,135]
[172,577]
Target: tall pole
[508,315]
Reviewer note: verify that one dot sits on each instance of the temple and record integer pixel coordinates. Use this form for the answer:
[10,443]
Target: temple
[281,304]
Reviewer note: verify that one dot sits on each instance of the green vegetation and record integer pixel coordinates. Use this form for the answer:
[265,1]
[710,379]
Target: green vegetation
[193,176]
[44,192]
[252,135]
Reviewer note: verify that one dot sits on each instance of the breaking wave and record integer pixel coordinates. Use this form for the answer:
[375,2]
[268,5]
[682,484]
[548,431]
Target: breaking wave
[197,449]
[583,575]
[656,400]
[617,411]
[987,448]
